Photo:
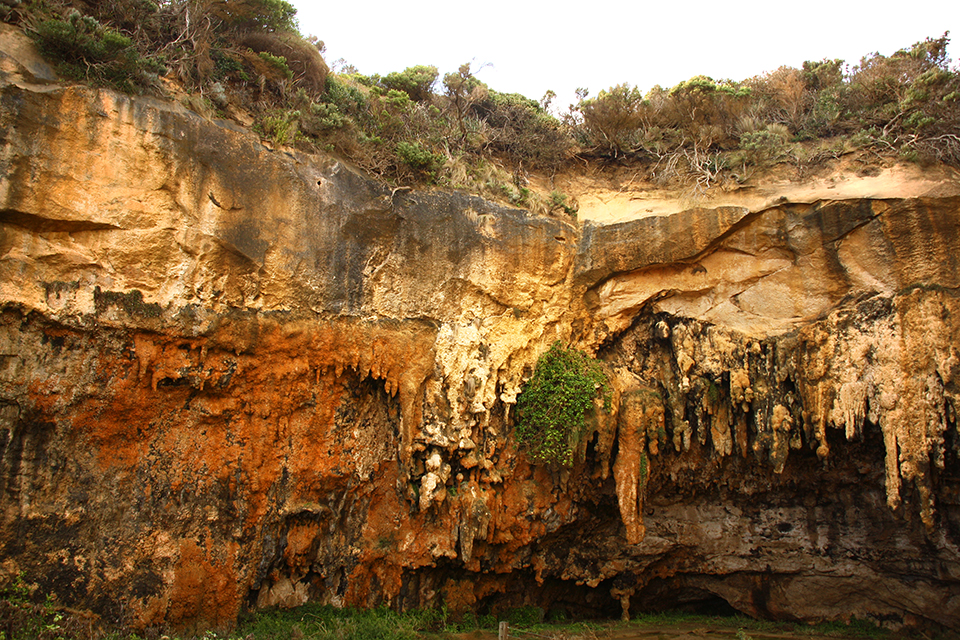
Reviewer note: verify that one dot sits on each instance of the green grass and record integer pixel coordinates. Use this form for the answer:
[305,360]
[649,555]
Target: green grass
[24,618]
[322,622]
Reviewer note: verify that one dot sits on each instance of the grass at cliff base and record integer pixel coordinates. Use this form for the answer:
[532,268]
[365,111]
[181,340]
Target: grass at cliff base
[323,622]
[22,620]
[386,625]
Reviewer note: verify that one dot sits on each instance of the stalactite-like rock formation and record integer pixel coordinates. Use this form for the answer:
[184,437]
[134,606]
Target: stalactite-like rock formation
[234,377]
[809,317]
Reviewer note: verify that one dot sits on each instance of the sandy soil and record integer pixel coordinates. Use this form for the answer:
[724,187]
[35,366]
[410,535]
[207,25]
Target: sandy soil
[620,195]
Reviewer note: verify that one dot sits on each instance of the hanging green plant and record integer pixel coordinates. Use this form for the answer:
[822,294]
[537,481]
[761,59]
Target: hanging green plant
[552,407]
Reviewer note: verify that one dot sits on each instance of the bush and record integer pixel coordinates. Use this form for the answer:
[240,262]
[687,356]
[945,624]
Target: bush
[705,110]
[23,617]
[614,118]
[8,10]
[323,622]
[881,86]
[558,200]
[279,63]
[85,49]
[399,100]
[256,15]
[417,82]
[698,112]
[908,97]
[302,60]
[553,404]
[520,129]
[280,126]
[226,65]
[128,15]
[765,145]
[525,616]
[421,160]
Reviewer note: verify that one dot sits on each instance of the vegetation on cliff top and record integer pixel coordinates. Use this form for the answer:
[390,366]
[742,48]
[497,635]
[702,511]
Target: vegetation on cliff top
[246,59]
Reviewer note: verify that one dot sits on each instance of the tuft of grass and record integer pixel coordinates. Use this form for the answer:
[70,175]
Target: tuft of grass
[324,622]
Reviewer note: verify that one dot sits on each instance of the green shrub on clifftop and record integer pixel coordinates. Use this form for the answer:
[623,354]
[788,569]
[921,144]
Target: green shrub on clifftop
[85,49]
[419,159]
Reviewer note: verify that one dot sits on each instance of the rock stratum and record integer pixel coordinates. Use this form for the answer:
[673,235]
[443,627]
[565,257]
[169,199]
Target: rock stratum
[234,377]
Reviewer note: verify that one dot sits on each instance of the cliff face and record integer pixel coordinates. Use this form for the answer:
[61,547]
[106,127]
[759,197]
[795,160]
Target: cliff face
[237,377]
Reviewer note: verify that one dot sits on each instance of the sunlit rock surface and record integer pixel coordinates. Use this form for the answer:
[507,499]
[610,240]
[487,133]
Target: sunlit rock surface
[234,377]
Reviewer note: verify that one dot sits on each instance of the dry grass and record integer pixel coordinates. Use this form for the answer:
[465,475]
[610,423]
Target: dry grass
[310,71]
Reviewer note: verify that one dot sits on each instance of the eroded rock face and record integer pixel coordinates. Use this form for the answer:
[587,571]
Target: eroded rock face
[234,377]
[765,482]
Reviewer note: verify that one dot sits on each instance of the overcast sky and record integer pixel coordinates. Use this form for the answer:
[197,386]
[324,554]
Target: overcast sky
[531,47]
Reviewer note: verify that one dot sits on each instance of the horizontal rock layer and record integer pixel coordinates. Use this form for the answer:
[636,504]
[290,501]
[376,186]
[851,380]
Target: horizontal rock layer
[234,377]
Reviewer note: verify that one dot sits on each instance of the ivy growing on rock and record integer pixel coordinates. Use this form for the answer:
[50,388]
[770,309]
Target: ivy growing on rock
[552,408]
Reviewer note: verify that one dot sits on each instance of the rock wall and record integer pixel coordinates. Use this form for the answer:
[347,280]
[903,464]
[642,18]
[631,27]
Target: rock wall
[235,377]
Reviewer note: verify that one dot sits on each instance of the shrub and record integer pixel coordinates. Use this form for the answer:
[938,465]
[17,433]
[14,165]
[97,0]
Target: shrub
[302,61]
[417,82]
[419,159]
[280,126]
[823,74]
[520,129]
[553,404]
[343,93]
[85,49]
[256,15]
[527,616]
[765,145]
[397,99]
[907,97]
[226,65]
[127,15]
[463,90]
[8,10]
[614,118]
[558,200]
[279,63]
[517,196]
[327,116]
[781,96]
[705,110]
[881,86]
[324,622]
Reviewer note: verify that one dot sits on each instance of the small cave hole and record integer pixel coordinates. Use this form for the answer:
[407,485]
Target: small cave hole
[173,382]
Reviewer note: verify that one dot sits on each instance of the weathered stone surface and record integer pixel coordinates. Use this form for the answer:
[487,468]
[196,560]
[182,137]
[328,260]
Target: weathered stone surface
[784,266]
[820,407]
[236,377]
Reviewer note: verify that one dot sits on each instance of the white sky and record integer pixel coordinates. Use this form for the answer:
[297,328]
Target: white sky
[535,46]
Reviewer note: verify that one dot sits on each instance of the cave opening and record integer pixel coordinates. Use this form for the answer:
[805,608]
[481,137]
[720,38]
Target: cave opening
[565,601]
[673,596]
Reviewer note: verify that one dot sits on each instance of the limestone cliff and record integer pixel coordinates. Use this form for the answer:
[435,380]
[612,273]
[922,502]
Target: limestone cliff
[236,377]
